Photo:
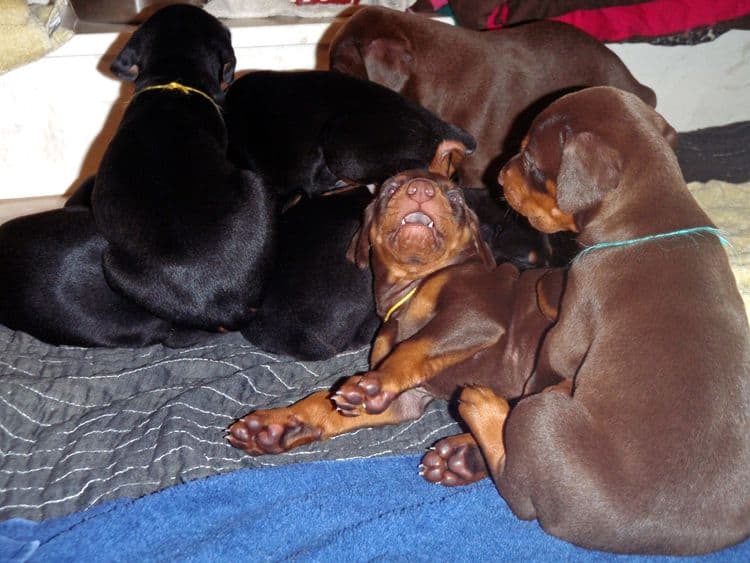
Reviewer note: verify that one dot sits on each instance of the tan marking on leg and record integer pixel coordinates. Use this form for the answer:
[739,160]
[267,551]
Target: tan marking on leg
[485,413]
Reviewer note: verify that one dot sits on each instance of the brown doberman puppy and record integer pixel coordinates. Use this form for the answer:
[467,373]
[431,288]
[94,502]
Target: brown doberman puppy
[450,318]
[646,447]
[491,84]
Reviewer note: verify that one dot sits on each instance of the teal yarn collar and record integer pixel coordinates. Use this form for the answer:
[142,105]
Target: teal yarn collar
[682,232]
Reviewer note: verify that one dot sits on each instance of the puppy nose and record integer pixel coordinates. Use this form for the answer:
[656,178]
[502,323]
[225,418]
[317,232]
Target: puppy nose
[421,190]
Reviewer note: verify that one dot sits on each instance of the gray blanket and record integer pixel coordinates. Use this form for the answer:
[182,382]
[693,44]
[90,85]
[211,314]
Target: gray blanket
[79,426]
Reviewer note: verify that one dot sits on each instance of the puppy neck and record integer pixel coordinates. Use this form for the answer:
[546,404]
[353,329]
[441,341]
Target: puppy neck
[648,203]
[181,88]
[393,290]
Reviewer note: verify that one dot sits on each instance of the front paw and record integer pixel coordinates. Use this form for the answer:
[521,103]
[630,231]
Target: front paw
[363,392]
[271,432]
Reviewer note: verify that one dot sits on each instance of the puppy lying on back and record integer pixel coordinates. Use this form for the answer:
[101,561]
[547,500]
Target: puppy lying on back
[644,446]
[491,84]
[190,235]
[450,318]
[334,309]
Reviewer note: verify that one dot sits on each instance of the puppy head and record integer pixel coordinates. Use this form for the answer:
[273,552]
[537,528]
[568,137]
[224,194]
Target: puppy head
[417,224]
[178,42]
[575,154]
[372,45]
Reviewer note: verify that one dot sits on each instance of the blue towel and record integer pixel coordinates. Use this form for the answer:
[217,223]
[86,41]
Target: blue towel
[361,510]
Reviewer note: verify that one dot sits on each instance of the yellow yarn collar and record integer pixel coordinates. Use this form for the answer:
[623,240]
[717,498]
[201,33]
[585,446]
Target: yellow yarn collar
[183,89]
[398,304]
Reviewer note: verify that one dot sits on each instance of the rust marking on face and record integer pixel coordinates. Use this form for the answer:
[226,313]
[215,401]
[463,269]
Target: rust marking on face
[417,228]
[538,205]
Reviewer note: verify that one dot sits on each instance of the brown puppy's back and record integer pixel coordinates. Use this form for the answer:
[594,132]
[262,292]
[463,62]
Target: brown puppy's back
[491,84]
[651,453]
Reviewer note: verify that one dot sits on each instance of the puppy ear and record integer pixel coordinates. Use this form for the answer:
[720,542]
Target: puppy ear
[359,248]
[346,58]
[228,59]
[389,61]
[227,71]
[588,170]
[449,154]
[666,130]
[482,248]
[127,63]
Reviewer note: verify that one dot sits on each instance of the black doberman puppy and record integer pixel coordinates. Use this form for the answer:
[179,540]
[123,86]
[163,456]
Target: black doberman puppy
[190,235]
[317,303]
[314,131]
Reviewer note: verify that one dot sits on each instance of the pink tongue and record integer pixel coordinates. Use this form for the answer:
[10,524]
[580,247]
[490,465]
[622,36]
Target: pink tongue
[417,218]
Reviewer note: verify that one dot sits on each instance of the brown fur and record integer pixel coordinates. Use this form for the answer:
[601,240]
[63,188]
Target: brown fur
[648,448]
[467,323]
[491,84]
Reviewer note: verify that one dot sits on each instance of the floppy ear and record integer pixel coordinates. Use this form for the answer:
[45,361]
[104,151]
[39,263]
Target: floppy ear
[359,248]
[666,130]
[126,65]
[345,57]
[228,59]
[227,70]
[483,250]
[389,61]
[449,154]
[588,170]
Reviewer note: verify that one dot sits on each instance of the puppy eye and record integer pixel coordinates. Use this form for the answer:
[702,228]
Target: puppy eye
[454,196]
[526,160]
[390,190]
[531,169]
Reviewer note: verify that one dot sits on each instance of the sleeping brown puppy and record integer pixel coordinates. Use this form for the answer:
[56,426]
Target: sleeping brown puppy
[450,318]
[645,447]
[491,84]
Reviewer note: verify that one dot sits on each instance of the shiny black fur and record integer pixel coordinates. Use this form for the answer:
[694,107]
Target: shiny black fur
[317,302]
[190,235]
[53,286]
[309,131]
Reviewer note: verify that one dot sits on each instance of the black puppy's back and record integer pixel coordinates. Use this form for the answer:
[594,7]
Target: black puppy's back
[53,286]
[317,303]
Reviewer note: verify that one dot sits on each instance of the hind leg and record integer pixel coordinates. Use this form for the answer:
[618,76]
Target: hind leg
[453,461]
[486,413]
[525,449]
[550,461]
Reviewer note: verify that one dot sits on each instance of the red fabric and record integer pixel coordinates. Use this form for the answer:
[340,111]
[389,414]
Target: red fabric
[648,19]
[498,16]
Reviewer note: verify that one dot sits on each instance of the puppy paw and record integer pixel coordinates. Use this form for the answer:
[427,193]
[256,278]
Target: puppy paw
[271,432]
[362,393]
[454,461]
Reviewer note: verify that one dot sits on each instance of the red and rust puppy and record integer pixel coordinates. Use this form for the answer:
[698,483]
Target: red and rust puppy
[490,84]
[646,449]
[450,318]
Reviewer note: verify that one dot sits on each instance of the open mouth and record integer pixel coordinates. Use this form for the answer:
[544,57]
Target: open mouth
[418,218]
